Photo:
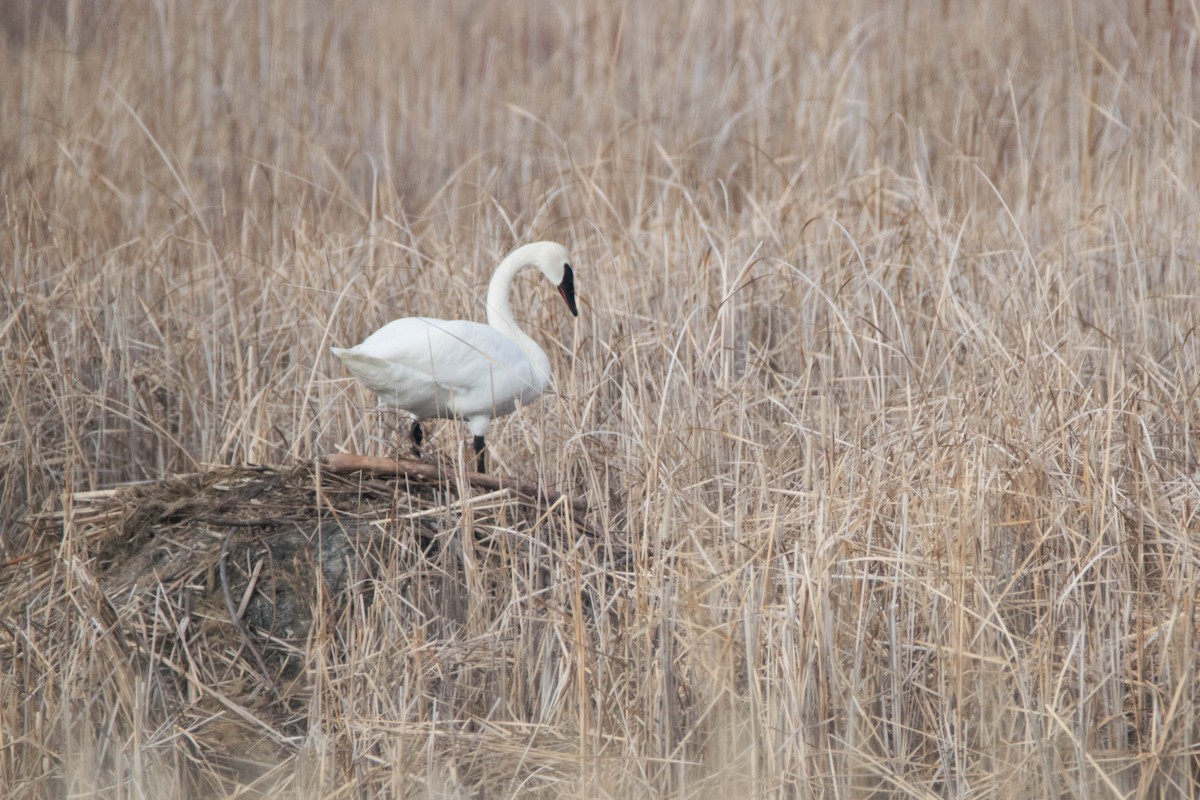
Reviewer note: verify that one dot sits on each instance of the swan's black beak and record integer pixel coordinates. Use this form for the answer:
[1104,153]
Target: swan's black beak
[567,289]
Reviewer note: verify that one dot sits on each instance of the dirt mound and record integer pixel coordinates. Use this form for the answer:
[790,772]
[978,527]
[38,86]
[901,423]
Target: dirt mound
[209,589]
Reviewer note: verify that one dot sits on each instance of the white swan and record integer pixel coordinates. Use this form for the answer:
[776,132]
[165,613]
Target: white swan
[433,368]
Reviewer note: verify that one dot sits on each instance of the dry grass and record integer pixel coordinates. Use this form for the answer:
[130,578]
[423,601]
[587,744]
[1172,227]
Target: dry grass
[885,375]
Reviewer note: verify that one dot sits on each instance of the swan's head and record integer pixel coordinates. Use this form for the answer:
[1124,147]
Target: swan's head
[552,261]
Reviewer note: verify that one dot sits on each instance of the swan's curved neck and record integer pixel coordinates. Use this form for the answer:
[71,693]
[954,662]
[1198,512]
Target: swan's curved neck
[499,310]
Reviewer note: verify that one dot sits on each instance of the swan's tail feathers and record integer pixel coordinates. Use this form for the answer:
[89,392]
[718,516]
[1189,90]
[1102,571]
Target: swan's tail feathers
[375,372]
[351,358]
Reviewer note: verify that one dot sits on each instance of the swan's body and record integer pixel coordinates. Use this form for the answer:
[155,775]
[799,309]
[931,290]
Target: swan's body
[435,368]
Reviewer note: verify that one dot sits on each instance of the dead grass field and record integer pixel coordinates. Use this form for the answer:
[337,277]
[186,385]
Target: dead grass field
[885,378]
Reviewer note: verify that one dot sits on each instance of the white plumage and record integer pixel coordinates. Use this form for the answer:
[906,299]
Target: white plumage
[435,368]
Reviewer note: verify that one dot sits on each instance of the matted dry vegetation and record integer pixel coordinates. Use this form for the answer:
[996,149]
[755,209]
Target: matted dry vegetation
[882,400]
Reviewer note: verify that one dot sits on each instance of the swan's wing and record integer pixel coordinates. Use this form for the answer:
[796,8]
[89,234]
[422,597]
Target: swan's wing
[451,352]
[431,366]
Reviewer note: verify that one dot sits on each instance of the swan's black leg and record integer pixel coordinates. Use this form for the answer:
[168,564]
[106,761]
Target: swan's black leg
[479,461]
[418,436]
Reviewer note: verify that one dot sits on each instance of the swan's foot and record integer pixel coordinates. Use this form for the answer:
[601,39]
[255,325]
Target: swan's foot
[480,462]
[418,436]
[403,440]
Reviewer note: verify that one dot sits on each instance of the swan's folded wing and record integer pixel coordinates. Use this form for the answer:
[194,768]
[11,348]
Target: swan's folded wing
[457,355]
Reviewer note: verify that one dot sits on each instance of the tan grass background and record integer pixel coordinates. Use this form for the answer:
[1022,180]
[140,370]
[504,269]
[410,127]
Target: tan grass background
[886,370]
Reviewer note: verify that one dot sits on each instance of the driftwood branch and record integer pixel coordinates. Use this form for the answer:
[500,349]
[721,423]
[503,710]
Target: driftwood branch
[347,463]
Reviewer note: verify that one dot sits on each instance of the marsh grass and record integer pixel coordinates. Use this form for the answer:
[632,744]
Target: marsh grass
[885,373]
